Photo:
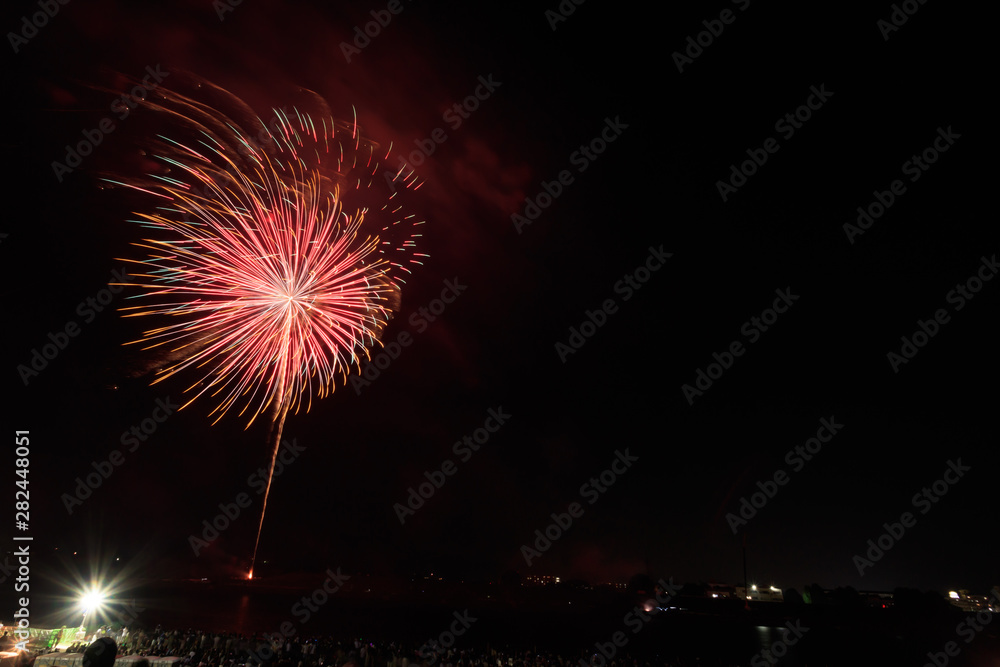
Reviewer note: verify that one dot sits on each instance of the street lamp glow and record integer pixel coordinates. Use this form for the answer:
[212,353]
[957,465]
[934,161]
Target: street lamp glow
[91,601]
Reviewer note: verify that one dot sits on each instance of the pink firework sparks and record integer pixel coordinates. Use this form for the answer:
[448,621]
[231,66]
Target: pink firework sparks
[274,266]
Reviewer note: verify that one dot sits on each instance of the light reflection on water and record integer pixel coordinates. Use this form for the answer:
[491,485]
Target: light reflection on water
[765,635]
[779,644]
[241,614]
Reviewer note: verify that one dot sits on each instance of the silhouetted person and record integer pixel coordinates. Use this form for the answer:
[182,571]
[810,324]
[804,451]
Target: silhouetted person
[101,653]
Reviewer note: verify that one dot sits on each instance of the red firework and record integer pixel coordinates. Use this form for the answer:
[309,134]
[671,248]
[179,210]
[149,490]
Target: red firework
[274,265]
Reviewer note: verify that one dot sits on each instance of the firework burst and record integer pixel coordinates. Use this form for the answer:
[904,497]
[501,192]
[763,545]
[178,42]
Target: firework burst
[275,263]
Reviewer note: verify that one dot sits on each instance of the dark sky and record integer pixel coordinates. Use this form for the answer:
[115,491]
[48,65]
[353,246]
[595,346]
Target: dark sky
[679,132]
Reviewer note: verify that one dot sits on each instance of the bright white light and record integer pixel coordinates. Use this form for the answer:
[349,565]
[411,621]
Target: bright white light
[953,595]
[91,601]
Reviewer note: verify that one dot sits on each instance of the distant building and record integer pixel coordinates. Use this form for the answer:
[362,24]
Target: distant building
[614,585]
[972,603]
[877,599]
[720,591]
[760,594]
[540,580]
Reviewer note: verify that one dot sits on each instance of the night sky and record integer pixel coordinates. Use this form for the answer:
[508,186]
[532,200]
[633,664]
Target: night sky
[505,343]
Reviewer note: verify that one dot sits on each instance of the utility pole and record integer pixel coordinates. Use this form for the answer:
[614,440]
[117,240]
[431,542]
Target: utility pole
[746,585]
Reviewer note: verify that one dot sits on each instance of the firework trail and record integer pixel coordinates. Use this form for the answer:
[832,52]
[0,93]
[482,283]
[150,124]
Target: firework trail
[275,263]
